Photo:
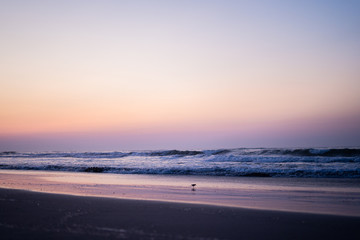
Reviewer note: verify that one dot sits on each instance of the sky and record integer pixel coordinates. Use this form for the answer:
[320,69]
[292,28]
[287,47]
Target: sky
[125,75]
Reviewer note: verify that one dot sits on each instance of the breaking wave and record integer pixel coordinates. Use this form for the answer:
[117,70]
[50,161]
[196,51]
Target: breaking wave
[254,162]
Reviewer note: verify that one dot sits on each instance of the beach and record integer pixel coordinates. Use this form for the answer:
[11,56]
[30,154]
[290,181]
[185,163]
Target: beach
[180,120]
[58,205]
[32,215]
[330,196]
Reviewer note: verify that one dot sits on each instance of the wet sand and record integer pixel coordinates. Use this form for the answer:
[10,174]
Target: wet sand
[33,215]
[320,196]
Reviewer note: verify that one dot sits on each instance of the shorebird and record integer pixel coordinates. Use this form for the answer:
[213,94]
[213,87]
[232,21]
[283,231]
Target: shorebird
[193,186]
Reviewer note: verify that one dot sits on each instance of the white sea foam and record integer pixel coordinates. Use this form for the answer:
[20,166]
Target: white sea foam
[223,162]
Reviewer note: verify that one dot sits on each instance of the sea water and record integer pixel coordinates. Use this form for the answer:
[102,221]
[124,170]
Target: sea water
[260,162]
[302,180]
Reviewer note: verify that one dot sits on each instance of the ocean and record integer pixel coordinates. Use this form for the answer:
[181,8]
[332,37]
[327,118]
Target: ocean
[312,180]
[240,162]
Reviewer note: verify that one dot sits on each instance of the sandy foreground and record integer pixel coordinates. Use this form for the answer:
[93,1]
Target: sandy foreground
[33,215]
[59,205]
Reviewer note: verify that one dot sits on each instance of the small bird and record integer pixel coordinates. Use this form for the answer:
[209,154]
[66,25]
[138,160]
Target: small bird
[193,186]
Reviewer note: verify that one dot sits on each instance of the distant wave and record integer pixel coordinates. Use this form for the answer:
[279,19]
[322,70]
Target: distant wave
[330,152]
[344,152]
[65,154]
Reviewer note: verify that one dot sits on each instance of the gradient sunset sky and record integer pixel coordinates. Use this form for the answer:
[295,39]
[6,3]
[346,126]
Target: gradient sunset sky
[123,75]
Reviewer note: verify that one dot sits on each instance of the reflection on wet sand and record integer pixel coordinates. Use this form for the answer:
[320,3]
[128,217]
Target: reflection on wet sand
[330,196]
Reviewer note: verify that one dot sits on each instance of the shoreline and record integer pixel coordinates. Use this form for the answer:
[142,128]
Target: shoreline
[320,196]
[30,215]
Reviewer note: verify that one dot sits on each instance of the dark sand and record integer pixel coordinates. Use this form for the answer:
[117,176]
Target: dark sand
[31,215]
